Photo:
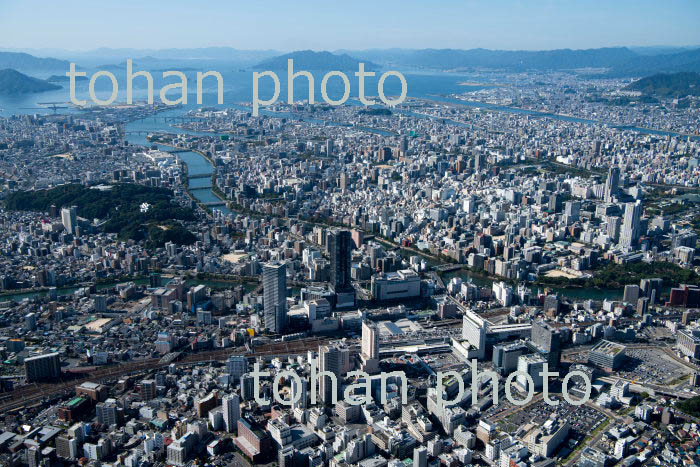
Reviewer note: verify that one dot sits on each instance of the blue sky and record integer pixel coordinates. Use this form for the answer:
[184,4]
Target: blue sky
[330,25]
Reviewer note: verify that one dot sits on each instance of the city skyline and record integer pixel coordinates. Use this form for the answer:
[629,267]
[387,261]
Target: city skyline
[380,258]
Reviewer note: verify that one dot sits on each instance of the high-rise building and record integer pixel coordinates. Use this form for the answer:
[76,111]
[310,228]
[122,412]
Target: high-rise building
[370,340]
[148,389]
[340,246]
[547,342]
[237,366]
[370,347]
[275,296]
[420,457]
[100,303]
[572,210]
[651,288]
[42,367]
[66,447]
[33,457]
[300,390]
[69,218]
[107,412]
[505,356]
[531,365]
[30,321]
[247,387]
[335,359]
[232,411]
[631,225]
[612,183]
[631,293]
[613,228]
[642,306]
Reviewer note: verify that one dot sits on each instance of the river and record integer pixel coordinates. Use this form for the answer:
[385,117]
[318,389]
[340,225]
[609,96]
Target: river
[482,280]
[63,291]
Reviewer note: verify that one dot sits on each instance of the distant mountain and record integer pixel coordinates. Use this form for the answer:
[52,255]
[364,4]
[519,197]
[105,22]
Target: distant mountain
[452,59]
[202,53]
[26,62]
[310,60]
[663,63]
[196,57]
[64,78]
[13,83]
[661,49]
[618,61]
[525,60]
[669,85]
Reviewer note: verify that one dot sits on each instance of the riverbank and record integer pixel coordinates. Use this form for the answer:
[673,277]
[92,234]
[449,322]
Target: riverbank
[20,294]
[188,187]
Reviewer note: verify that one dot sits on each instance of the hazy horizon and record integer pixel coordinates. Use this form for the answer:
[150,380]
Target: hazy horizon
[47,50]
[79,26]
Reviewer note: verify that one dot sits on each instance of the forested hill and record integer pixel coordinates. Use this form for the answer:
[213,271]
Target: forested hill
[669,85]
[120,205]
[14,83]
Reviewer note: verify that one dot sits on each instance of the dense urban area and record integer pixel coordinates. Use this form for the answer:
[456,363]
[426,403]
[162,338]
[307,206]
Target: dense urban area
[393,272]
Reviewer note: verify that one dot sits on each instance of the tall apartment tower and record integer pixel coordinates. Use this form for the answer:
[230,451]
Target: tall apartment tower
[370,340]
[237,366]
[343,181]
[631,225]
[43,367]
[340,245]
[300,393]
[232,411]
[275,296]
[611,184]
[420,457]
[69,218]
[335,359]
[370,347]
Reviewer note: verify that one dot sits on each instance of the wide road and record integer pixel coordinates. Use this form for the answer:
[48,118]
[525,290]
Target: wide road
[32,393]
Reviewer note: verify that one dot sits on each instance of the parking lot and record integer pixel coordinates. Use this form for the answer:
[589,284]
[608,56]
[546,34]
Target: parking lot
[658,333]
[583,419]
[652,366]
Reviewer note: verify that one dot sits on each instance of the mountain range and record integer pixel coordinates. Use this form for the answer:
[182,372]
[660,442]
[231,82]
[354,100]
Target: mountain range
[23,61]
[505,59]
[13,83]
[611,61]
[310,60]
[617,61]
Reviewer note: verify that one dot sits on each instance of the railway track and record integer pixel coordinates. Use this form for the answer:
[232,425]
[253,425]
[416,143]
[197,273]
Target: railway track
[27,395]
